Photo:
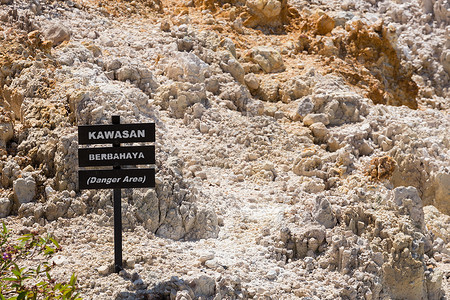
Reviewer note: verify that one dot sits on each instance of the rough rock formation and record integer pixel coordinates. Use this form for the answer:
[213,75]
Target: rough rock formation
[301,147]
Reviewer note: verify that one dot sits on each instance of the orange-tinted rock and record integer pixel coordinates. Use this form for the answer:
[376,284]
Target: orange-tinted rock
[325,25]
[381,168]
[267,13]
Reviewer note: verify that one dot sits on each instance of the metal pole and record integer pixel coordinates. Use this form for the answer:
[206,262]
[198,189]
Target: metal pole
[117,216]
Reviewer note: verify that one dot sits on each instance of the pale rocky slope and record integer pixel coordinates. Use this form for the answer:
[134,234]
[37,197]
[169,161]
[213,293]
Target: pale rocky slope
[302,147]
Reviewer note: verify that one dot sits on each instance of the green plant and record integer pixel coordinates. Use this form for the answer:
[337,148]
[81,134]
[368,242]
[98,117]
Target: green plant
[25,271]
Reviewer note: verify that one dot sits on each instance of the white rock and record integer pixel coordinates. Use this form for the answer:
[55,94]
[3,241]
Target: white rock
[271,275]
[24,189]
[5,207]
[58,260]
[315,118]
[212,264]
[269,59]
[57,33]
[103,270]
[232,66]
[442,197]
[204,128]
[251,81]
[206,256]
[320,131]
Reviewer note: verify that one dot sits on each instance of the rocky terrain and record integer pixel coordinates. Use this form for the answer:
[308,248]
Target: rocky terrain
[302,146]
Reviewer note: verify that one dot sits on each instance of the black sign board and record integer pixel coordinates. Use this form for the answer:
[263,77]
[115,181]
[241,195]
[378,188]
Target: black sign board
[110,156]
[116,133]
[116,178]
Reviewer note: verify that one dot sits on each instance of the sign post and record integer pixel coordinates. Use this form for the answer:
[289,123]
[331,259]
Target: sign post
[116,156]
[117,214]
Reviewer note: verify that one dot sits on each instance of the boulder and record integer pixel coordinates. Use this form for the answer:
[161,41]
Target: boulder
[24,189]
[445,61]
[6,133]
[294,89]
[324,25]
[5,207]
[324,214]
[251,81]
[266,13]
[304,107]
[319,131]
[442,196]
[128,73]
[269,59]
[231,65]
[57,33]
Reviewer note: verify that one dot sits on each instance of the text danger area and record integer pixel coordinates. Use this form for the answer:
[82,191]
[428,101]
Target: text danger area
[122,178]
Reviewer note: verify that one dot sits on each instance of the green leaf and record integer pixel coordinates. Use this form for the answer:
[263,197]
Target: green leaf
[73,279]
[54,242]
[48,250]
[9,279]
[1,296]
[5,230]
[16,272]
[21,296]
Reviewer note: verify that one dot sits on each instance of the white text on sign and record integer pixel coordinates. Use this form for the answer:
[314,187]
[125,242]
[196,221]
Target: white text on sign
[116,134]
[110,180]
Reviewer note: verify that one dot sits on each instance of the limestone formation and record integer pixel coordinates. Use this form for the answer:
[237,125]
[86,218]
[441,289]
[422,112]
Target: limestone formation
[301,147]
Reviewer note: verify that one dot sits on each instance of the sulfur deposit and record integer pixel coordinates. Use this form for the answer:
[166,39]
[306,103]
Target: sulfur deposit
[302,147]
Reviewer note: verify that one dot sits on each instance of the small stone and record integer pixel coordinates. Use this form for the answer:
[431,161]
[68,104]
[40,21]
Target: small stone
[58,260]
[365,149]
[212,264]
[131,262]
[313,244]
[128,73]
[204,128]
[271,275]
[323,213]
[206,256]
[315,118]
[270,111]
[113,65]
[251,81]
[319,131]
[278,115]
[165,25]
[232,66]
[103,270]
[198,110]
[138,282]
